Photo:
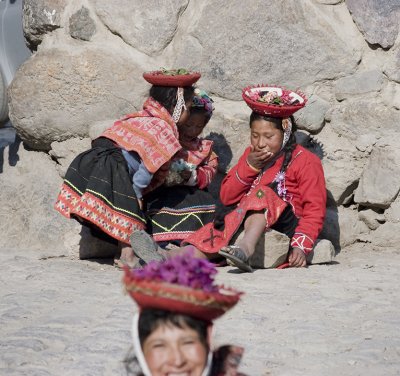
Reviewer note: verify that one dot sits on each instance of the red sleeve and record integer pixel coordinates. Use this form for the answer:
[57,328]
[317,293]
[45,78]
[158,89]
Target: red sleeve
[312,190]
[238,181]
[207,170]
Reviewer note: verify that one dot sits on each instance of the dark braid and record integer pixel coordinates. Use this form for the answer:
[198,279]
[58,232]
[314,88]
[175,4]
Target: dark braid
[166,95]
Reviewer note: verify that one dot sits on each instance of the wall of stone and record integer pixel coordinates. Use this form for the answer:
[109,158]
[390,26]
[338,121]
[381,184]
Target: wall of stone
[345,55]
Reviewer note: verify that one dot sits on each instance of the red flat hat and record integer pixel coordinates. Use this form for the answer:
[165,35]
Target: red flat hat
[172,77]
[182,284]
[197,303]
[273,100]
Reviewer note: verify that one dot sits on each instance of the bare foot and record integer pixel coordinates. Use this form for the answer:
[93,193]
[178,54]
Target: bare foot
[127,257]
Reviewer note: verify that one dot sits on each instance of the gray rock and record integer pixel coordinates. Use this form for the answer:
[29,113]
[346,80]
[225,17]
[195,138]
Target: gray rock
[312,117]
[391,95]
[98,127]
[392,66]
[230,131]
[377,20]
[294,61]
[393,213]
[81,25]
[380,180]
[28,194]
[371,218]
[359,83]
[64,152]
[386,236]
[342,227]
[362,122]
[323,252]
[148,28]
[338,155]
[41,17]
[91,247]
[271,250]
[72,90]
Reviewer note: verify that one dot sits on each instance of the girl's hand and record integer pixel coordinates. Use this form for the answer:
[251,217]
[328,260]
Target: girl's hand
[259,158]
[297,258]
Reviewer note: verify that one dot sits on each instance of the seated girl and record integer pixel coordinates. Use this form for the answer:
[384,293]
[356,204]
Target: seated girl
[103,186]
[276,184]
[182,204]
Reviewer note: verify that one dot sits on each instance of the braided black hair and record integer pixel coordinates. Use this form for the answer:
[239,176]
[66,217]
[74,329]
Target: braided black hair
[291,143]
[166,95]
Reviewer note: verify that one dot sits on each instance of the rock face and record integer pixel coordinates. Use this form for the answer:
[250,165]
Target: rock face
[263,58]
[87,72]
[377,20]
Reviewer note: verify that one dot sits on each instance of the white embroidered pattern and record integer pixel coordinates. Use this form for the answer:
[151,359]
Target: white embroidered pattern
[300,240]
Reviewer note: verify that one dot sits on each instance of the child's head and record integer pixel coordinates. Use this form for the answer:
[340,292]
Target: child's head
[167,97]
[200,114]
[267,133]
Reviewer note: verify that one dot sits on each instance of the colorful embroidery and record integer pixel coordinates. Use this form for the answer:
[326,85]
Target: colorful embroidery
[260,193]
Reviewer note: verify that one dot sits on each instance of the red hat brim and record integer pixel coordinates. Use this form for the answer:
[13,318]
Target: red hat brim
[181,80]
[197,303]
[274,110]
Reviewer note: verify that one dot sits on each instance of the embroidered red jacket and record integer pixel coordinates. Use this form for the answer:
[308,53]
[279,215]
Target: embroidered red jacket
[306,191]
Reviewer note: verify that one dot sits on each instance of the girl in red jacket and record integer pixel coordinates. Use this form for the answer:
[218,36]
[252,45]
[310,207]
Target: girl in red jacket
[276,184]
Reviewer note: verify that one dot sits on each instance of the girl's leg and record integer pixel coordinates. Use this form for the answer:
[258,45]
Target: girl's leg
[186,249]
[254,227]
[127,256]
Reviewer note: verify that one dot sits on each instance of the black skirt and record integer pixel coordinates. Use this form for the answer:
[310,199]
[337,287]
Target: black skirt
[97,191]
[176,212]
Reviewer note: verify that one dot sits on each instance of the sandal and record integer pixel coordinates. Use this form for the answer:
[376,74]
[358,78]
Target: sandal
[237,257]
[145,247]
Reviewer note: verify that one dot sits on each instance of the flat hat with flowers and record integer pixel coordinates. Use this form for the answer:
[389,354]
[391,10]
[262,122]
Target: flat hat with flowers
[273,100]
[172,77]
[182,284]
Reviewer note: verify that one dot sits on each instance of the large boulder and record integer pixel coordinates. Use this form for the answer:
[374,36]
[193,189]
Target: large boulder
[146,27]
[377,20]
[58,93]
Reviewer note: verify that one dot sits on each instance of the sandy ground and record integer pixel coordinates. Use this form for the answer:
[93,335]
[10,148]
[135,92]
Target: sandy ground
[60,316]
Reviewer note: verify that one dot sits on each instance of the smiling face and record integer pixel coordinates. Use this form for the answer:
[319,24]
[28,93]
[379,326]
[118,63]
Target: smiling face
[193,127]
[265,136]
[173,351]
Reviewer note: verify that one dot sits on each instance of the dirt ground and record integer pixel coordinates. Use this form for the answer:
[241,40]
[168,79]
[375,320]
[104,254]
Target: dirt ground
[63,316]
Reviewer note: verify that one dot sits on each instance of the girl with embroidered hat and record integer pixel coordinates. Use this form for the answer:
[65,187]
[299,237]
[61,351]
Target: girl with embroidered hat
[183,204]
[275,184]
[103,186]
[178,302]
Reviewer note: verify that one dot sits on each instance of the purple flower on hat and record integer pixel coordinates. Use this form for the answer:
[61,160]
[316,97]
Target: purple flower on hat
[202,100]
[184,270]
